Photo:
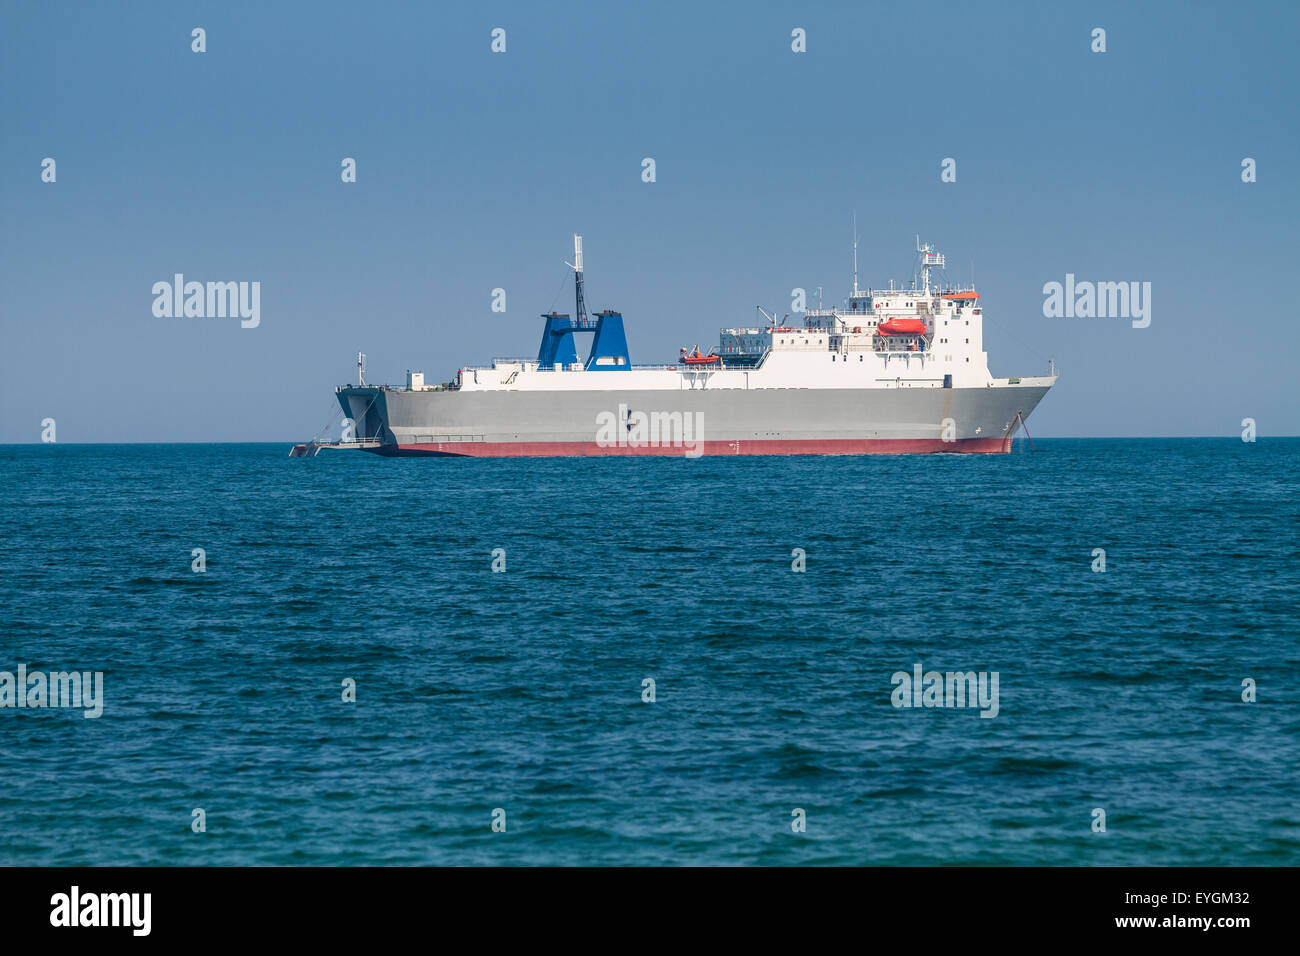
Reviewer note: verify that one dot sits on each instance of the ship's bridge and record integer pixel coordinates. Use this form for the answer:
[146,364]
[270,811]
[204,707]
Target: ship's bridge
[857,304]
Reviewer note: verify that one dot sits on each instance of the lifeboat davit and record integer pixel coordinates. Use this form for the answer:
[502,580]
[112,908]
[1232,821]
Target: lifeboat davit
[902,327]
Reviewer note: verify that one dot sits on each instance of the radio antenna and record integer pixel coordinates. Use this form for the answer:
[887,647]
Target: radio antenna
[856,292]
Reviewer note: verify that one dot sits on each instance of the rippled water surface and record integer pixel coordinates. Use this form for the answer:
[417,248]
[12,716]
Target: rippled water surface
[522,690]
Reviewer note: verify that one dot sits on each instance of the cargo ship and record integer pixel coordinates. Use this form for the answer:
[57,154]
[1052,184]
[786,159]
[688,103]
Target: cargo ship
[896,370]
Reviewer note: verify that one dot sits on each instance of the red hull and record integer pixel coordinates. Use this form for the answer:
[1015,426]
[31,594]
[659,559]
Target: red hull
[812,446]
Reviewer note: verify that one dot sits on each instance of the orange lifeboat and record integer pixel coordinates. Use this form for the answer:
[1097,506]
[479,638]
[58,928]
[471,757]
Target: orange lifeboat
[901,327]
[697,358]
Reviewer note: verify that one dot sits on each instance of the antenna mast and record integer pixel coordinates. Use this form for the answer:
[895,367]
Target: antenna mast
[856,291]
[929,260]
[361,369]
[580,307]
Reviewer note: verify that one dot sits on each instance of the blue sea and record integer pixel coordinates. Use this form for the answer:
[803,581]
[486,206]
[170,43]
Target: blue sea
[519,695]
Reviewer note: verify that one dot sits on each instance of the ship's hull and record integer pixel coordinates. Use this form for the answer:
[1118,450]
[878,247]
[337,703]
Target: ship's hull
[690,422]
[887,446]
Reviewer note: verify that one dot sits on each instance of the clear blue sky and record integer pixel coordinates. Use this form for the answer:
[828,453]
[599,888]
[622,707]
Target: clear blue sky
[474,170]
